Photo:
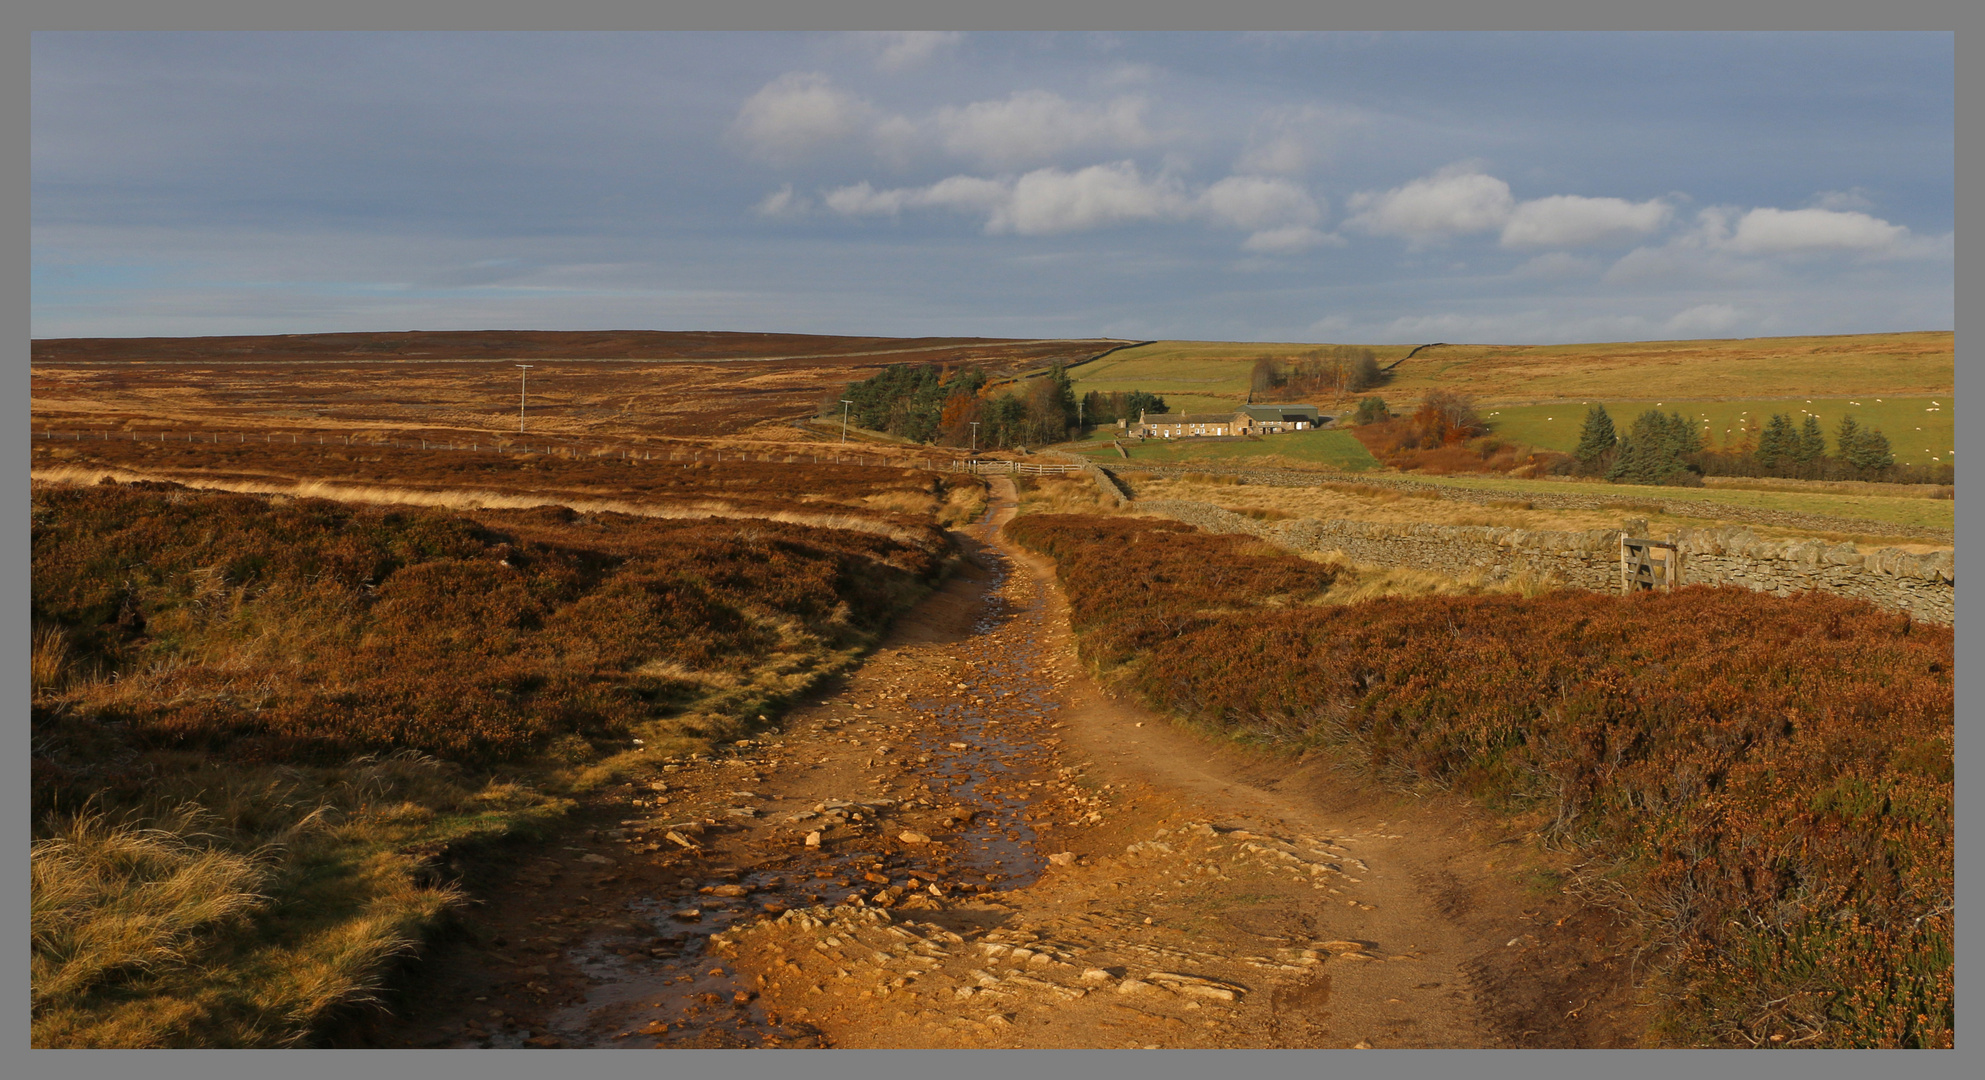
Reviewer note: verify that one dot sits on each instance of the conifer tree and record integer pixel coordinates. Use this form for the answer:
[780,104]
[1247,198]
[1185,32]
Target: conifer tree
[1846,437]
[1812,442]
[1777,443]
[1597,438]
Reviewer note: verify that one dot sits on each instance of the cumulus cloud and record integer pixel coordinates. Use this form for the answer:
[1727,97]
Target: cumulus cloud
[803,113]
[1558,265]
[796,114]
[1769,231]
[1562,221]
[1290,240]
[1036,126]
[1279,215]
[1454,201]
[1852,199]
[1260,202]
[783,204]
[899,50]
[1730,246]
[1460,200]
[1048,201]
[1289,142]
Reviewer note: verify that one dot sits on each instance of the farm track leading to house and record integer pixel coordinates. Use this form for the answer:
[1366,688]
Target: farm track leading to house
[1198,894]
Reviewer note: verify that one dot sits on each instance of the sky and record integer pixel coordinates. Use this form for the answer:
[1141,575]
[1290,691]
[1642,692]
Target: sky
[1369,188]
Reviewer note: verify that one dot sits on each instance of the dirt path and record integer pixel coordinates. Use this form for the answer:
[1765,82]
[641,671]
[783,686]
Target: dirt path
[971,844]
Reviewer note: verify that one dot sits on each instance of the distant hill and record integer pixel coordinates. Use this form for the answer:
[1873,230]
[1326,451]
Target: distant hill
[513,345]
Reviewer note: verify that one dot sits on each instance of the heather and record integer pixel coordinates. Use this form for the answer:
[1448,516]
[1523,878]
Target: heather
[1761,784]
[259,721]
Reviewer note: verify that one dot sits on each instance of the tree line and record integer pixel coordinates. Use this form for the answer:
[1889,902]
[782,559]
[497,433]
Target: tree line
[1339,370]
[1668,449]
[931,404]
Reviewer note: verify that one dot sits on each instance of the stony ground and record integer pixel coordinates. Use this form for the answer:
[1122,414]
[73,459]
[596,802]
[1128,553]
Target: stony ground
[971,844]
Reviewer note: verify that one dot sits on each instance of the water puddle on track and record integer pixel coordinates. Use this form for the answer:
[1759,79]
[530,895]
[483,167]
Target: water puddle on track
[640,994]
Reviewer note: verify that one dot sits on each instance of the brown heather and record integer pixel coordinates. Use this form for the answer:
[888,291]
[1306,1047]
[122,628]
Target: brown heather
[258,720]
[1763,784]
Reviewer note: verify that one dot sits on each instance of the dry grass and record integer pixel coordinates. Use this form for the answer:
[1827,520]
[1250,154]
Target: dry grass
[240,905]
[386,495]
[1370,502]
[1061,495]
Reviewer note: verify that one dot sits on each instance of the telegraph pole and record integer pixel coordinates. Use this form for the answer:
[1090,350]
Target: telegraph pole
[523,382]
[975,438]
[844,418]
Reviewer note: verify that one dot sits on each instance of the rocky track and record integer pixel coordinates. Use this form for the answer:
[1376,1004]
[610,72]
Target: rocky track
[971,844]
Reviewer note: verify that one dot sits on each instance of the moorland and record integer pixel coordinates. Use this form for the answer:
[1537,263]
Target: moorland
[361,719]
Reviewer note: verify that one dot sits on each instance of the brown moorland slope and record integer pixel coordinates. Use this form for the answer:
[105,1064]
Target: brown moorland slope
[632,384]
[500,345]
[1892,364]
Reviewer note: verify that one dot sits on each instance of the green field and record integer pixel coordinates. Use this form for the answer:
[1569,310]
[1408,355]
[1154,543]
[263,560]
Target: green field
[1918,428]
[1336,449]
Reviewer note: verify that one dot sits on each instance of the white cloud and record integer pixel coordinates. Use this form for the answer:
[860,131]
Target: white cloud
[1558,265]
[783,204]
[1036,126]
[900,50]
[1259,202]
[1769,231]
[1290,240]
[1048,201]
[1704,320]
[1454,201]
[1280,216]
[1852,199]
[1289,142]
[1578,221]
[798,113]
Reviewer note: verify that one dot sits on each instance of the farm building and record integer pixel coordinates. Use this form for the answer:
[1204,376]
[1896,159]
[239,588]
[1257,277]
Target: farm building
[1248,420]
[1266,419]
[1183,425]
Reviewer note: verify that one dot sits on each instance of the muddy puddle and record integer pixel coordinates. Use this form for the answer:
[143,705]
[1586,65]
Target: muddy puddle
[970,745]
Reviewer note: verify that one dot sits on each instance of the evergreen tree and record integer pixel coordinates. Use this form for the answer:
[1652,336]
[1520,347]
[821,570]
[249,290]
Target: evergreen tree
[1812,442]
[1846,438]
[1653,449]
[1778,443]
[1871,452]
[1866,451]
[1596,439]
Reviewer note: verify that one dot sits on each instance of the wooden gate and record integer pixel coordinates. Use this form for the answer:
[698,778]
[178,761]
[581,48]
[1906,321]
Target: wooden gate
[1648,564]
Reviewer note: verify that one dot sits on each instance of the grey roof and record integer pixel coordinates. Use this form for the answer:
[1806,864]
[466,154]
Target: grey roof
[1281,412]
[1190,418]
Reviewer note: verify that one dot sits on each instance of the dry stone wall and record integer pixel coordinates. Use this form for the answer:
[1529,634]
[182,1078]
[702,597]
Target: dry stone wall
[1922,585]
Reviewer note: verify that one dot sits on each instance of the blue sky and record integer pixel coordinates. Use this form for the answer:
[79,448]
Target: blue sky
[1365,188]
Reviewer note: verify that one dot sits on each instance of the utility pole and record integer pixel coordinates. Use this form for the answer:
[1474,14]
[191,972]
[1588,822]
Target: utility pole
[844,418]
[975,438]
[523,383]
